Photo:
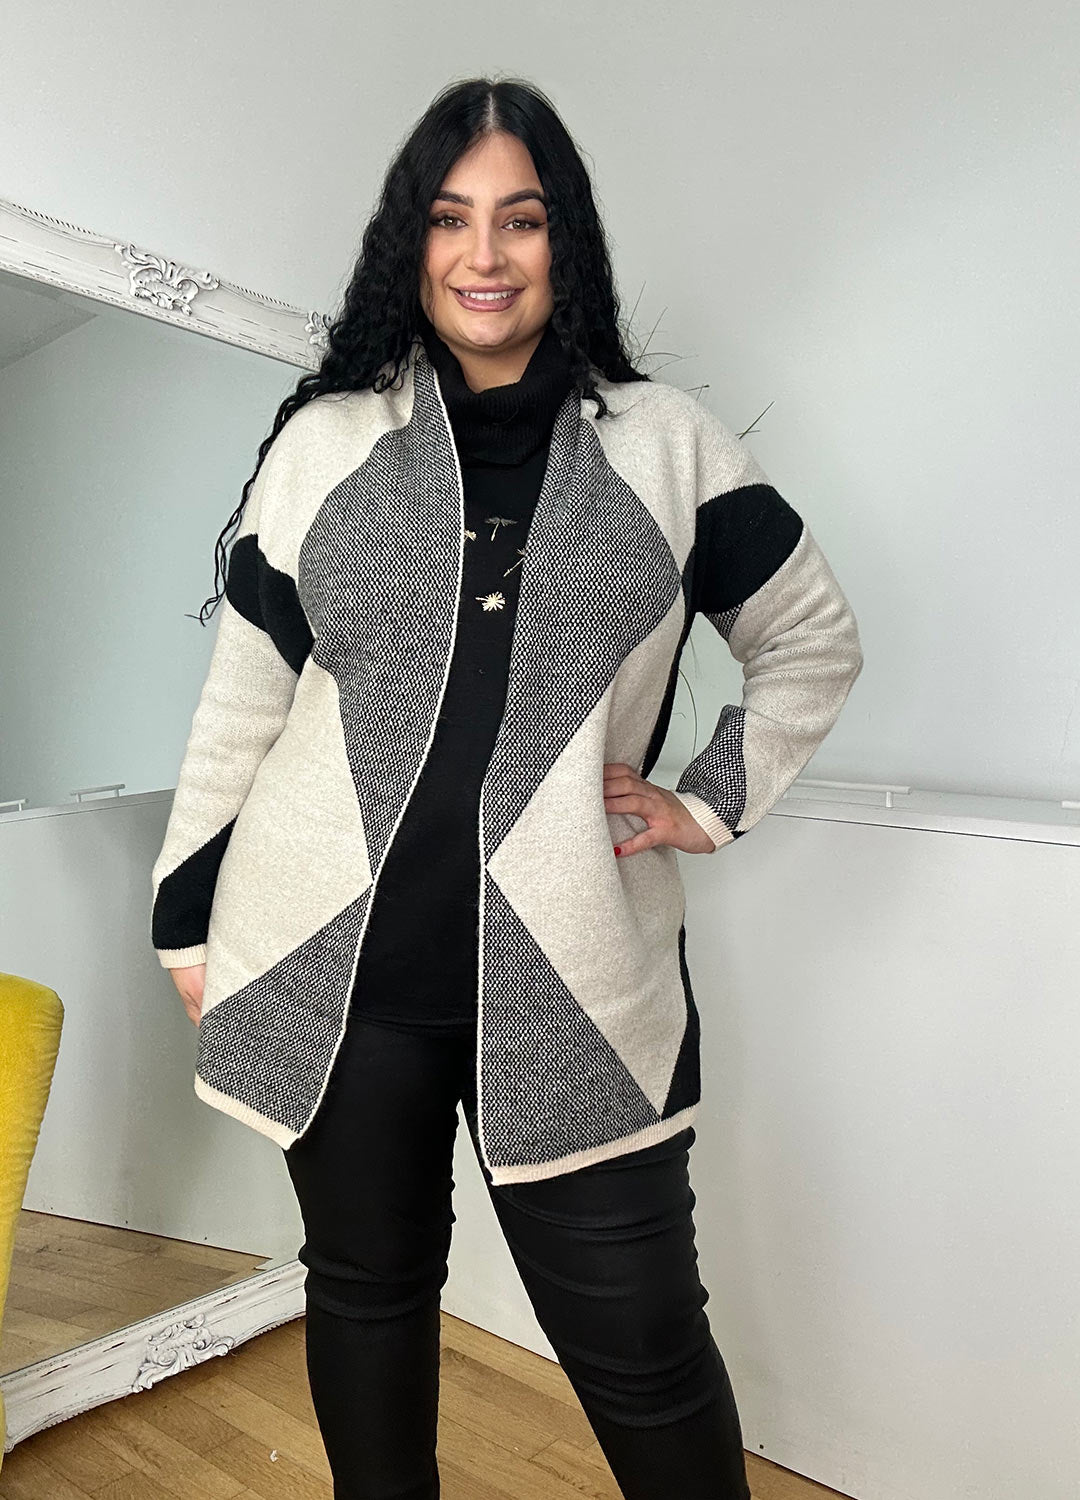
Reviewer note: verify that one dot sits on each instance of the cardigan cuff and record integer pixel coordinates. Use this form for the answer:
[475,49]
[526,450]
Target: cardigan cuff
[702,813]
[181,958]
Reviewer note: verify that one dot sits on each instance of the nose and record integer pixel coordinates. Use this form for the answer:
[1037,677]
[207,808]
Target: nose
[485,251]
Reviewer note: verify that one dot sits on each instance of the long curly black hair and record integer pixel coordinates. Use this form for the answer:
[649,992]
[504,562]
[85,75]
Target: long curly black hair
[369,340]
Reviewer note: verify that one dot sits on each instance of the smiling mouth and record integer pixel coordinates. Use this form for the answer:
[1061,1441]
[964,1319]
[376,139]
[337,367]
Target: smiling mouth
[487,302]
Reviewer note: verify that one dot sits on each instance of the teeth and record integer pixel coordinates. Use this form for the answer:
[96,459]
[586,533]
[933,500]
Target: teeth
[487,296]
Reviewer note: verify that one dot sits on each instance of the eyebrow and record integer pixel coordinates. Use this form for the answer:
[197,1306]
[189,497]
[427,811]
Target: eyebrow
[518,197]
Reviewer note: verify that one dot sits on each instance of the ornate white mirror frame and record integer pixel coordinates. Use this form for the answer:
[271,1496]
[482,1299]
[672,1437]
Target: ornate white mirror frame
[134,1358]
[46,249]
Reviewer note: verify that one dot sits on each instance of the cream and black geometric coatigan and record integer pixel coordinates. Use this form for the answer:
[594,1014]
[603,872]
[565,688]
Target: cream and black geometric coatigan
[321,700]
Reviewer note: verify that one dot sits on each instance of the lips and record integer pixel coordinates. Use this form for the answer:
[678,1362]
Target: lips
[486,304]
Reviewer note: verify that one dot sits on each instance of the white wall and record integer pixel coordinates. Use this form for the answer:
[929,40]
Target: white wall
[863,215]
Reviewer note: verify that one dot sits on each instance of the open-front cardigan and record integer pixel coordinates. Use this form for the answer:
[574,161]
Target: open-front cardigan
[318,710]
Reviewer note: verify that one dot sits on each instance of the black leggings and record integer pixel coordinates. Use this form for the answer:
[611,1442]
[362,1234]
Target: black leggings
[606,1254]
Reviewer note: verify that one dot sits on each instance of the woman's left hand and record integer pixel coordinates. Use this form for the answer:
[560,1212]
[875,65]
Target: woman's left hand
[668,819]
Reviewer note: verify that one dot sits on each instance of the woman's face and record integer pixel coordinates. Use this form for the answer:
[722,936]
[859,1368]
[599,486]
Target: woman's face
[477,239]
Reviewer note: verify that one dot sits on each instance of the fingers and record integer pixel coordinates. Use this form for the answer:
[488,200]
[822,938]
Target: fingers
[620,771]
[629,802]
[646,839]
[627,792]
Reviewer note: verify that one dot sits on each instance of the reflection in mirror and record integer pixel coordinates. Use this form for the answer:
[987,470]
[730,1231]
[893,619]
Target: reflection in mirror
[126,444]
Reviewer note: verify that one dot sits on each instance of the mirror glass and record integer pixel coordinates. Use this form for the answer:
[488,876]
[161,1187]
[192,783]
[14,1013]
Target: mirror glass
[126,444]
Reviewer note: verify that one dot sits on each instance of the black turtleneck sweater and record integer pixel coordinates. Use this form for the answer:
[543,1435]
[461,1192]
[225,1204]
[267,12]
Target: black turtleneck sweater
[418,965]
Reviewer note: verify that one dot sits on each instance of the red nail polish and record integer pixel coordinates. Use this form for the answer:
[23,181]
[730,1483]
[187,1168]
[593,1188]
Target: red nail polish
[618,848]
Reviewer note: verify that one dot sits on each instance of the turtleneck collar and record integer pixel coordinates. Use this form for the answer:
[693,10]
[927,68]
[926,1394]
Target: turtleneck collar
[505,423]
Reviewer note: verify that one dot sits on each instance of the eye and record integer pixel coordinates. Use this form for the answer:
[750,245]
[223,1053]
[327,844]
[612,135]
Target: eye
[438,219]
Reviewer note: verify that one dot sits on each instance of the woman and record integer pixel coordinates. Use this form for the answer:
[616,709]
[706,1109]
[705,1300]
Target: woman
[414,858]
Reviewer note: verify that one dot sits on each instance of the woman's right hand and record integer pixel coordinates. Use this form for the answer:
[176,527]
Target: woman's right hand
[190,982]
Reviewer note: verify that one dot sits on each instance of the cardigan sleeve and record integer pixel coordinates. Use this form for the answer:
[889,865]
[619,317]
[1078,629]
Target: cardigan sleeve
[760,578]
[242,708]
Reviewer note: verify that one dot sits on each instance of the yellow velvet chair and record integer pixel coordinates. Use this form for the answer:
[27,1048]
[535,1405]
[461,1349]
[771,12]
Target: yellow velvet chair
[31,1017]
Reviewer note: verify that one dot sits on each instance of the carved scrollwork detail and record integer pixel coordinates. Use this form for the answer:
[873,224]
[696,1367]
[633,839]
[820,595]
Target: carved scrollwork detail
[317,328]
[165,283]
[179,1347]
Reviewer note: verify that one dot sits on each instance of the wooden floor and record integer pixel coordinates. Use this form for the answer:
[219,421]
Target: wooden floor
[243,1428]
